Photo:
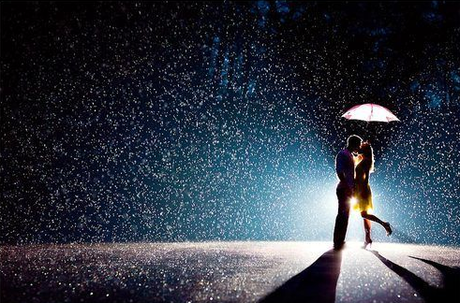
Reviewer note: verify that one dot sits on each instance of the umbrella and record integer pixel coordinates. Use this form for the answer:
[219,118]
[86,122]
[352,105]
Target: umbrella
[370,112]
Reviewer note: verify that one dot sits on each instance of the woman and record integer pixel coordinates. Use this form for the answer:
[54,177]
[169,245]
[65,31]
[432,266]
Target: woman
[363,194]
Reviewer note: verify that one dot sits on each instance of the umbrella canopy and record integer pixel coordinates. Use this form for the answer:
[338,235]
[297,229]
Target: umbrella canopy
[370,112]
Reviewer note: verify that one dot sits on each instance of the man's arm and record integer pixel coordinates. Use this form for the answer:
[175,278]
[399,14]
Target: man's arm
[342,167]
[340,162]
[342,177]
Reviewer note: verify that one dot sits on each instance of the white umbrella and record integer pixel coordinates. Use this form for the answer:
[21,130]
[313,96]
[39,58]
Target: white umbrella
[370,112]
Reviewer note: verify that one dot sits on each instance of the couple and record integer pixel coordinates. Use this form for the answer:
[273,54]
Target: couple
[354,182]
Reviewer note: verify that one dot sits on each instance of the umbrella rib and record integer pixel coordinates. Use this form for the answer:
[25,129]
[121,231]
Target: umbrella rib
[372,111]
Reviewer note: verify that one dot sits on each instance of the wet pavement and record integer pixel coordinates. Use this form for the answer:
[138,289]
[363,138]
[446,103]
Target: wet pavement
[229,272]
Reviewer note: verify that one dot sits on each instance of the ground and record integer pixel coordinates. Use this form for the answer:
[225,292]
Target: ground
[229,272]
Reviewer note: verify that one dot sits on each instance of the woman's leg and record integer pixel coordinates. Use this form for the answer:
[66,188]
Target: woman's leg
[367,230]
[386,225]
[367,216]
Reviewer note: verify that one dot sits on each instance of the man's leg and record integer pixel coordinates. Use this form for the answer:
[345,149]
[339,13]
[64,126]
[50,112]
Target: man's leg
[341,221]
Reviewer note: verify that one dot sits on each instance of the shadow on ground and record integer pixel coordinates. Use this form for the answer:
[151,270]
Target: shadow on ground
[451,280]
[317,283]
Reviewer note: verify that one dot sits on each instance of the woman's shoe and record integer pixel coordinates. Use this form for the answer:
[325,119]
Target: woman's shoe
[388,228]
[367,244]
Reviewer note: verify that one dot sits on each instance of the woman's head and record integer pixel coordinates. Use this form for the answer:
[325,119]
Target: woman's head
[367,152]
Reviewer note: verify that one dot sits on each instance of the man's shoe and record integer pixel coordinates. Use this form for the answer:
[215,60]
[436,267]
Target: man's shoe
[339,246]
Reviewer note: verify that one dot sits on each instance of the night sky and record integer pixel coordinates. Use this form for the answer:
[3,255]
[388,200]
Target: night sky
[172,121]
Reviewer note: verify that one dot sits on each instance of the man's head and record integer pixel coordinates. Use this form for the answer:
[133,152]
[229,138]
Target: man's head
[353,143]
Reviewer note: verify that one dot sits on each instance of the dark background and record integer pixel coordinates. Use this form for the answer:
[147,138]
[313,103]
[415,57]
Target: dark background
[220,121]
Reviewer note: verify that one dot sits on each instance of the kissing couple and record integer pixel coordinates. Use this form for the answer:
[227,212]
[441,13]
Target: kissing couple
[353,166]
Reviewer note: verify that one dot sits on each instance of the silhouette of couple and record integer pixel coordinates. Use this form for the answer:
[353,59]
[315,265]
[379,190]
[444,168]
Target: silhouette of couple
[353,166]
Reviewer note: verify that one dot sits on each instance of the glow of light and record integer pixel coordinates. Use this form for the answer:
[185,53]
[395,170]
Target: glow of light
[354,203]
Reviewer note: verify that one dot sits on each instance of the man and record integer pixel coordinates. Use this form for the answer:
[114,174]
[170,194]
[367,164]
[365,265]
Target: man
[345,169]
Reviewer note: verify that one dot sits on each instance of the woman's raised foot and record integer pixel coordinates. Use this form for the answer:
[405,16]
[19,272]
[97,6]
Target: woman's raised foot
[388,228]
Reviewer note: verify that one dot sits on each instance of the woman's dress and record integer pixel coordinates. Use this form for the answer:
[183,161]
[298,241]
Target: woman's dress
[362,193]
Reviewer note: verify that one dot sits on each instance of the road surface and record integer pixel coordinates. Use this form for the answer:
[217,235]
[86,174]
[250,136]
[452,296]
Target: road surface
[229,272]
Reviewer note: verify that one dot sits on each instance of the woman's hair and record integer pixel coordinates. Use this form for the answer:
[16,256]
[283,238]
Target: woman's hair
[368,153]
